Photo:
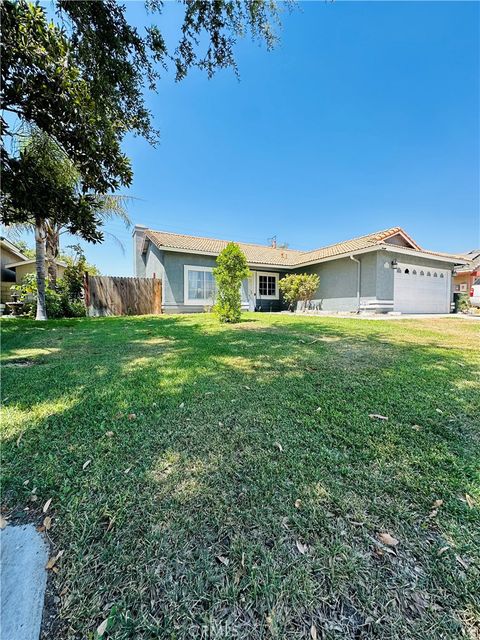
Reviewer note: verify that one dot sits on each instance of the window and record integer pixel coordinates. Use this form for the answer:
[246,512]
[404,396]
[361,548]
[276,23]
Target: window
[199,285]
[422,273]
[414,272]
[407,271]
[268,286]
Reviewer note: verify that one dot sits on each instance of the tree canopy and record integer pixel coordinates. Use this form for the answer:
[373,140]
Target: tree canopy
[82,77]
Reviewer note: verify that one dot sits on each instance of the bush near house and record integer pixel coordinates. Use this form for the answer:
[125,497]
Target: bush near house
[65,300]
[230,271]
[299,287]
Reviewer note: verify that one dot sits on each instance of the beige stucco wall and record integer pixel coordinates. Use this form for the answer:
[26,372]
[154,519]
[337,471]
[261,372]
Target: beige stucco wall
[24,269]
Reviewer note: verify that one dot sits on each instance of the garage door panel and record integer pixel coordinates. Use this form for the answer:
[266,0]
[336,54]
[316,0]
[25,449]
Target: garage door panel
[421,290]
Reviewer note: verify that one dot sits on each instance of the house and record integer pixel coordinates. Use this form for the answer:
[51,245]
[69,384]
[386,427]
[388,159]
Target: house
[15,265]
[380,272]
[9,253]
[465,275]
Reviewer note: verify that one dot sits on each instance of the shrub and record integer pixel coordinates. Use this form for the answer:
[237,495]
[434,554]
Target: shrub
[298,287]
[60,302]
[231,269]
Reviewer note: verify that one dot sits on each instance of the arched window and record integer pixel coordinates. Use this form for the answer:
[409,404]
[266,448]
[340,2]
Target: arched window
[399,270]
[441,275]
[407,271]
[428,273]
[414,272]
[422,273]
[435,275]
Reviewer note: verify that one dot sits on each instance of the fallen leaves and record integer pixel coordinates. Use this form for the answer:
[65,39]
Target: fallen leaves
[102,627]
[54,559]
[441,551]
[377,416]
[85,464]
[47,523]
[470,501]
[313,632]
[109,434]
[279,446]
[223,560]
[47,505]
[461,561]
[388,540]
[298,503]
[3,522]
[132,416]
[302,548]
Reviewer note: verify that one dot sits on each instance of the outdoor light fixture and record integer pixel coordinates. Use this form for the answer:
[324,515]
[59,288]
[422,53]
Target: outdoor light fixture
[394,264]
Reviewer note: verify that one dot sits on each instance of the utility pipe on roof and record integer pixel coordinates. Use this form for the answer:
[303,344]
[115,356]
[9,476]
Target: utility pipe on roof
[358,280]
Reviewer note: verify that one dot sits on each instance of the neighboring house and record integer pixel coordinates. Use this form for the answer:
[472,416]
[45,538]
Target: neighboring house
[465,275]
[8,254]
[15,265]
[383,271]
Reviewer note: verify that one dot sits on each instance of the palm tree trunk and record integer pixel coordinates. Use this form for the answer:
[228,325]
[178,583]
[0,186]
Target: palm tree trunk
[40,265]
[51,252]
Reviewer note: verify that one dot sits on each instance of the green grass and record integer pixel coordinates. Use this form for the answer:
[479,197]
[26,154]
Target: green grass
[198,473]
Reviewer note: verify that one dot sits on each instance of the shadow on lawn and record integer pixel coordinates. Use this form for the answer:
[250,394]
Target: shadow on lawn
[197,474]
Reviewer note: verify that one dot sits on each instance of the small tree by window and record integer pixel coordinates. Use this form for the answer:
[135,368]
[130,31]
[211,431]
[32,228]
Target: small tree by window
[231,269]
[299,287]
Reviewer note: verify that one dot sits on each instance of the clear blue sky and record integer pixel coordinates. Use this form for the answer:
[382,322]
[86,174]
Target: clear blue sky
[365,116]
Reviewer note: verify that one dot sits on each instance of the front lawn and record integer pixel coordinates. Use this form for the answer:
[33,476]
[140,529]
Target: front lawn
[228,482]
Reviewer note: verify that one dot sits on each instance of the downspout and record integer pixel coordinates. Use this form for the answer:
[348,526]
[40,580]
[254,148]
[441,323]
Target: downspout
[358,281]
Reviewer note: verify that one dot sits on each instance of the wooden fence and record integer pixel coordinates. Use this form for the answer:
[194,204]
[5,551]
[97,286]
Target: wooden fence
[116,296]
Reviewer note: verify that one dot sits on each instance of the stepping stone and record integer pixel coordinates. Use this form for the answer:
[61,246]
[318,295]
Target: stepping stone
[24,554]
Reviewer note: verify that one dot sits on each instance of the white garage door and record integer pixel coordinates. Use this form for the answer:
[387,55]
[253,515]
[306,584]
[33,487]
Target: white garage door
[421,289]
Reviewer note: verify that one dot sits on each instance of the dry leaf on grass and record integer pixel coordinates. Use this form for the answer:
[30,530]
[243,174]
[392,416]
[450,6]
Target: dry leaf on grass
[470,501]
[19,438]
[109,434]
[132,416]
[46,505]
[387,539]
[54,559]
[433,513]
[417,427]
[298,503]
[3,522]
[127,470]
[441,551]
[182,404]
[461,561]
[102,628]
[437,504]
[301,547]
[47,523]
[313,632]
[439,411]
[279,446]
[223,560]
[377,416]
[85,464]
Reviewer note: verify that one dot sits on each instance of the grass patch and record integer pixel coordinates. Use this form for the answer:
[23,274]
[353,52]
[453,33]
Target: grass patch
[214,450]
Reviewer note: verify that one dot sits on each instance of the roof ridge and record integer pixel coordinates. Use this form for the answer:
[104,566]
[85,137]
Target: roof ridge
[250,244]
[366,235]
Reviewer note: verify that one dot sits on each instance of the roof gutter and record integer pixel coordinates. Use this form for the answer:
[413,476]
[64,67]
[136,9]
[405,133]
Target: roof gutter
[359,266]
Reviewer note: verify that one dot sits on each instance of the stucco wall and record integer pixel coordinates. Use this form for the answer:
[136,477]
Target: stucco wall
[23,270]
[169,266]
[338,282]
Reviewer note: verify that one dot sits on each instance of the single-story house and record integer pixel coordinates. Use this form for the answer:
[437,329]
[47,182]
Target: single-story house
[15,265]
[382,272]
[465,275]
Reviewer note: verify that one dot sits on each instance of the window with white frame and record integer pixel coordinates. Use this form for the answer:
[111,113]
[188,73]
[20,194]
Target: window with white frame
[268,285]
[199,285]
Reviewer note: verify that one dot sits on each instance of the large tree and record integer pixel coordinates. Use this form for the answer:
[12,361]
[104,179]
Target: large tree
[82,77]
[42,189]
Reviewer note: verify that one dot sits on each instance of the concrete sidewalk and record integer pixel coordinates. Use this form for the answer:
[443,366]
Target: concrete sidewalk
[24,554]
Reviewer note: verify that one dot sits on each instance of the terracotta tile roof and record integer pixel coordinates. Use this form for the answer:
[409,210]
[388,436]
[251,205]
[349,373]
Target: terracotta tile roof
[255,253]
[260,254]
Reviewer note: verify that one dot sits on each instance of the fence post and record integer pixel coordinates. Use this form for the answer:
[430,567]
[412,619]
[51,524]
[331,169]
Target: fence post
[86,290]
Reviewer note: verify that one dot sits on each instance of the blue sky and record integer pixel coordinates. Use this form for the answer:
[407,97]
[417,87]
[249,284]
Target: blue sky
[365,116]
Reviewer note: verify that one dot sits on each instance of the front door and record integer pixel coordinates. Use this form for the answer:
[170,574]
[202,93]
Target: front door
[252,291]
